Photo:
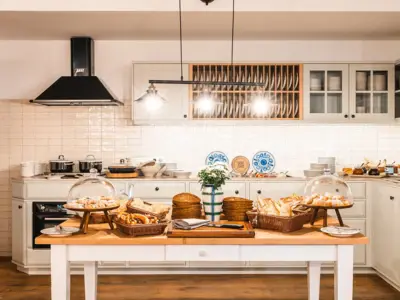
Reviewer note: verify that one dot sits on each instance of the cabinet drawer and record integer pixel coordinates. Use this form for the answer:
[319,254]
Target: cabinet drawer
[357,211]
[230,189]
[358,189]
[202,253]
[275,190]
[47,190]
[158,190]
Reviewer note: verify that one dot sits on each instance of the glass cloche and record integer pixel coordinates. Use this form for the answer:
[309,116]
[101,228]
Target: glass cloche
[92,188]
[328,191]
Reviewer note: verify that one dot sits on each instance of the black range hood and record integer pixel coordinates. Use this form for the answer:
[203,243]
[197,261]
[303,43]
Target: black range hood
[82,88]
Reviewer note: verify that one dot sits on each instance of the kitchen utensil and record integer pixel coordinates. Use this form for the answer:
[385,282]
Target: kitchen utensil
[122,167]
[232,226]
[161,171]
[216,157]
[341,232]
[150,171]
[182,174]
[61,165]
[263,162]
[90,163]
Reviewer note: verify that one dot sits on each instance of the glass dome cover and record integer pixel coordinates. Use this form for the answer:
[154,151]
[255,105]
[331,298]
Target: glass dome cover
[92,187]
[328,191]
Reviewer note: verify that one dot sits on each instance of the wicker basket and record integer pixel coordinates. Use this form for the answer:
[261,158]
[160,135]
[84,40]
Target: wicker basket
[185,198]
[141,229]
[135,210]
[278,223]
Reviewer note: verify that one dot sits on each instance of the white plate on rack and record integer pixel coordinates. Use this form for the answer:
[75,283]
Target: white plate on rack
[296,82]
[341,232]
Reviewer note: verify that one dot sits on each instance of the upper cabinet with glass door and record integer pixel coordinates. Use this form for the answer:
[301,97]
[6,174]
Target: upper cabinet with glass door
[326,92]
[372,92]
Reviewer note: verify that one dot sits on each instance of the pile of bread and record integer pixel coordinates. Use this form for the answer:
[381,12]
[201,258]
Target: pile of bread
[156,208]
[284,207]
[136,219]
[91,203]
[327,200]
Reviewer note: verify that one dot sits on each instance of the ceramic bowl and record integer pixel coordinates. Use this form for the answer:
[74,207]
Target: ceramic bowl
[313,173]
[182,174]
[319,166]
[170,172]
[150,171]
[171,166]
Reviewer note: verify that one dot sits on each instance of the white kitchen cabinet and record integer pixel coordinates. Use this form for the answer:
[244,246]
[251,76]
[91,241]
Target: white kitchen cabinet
[275,190]
[371,92]
[231,189]
[326,92]
[18,224]
[176,106]
[386,231]
[158,189]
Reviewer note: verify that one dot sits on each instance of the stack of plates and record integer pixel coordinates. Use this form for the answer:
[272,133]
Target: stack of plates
[186,206]
[235,208]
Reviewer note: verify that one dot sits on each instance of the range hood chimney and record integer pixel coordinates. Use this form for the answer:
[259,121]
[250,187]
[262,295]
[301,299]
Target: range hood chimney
[82,88]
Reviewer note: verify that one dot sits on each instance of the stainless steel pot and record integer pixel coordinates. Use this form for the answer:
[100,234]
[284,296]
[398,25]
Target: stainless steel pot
[90,163]
[61,165]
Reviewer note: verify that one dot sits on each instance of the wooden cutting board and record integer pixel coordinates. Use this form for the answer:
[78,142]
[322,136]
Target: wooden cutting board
[213,232]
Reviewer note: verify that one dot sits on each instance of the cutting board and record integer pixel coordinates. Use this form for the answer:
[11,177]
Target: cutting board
[122,175]
[213,232]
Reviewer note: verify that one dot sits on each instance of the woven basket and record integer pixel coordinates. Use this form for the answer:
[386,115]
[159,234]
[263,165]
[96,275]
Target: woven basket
[237,200]
[135,210]
[278,223]
[141,229]
[186,198]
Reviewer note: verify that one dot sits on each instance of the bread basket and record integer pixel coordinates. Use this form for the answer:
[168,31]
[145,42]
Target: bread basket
[278,223]
[141,229]
[132,209]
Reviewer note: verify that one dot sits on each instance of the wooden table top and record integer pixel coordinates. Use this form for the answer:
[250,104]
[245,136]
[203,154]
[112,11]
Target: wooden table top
[101,234]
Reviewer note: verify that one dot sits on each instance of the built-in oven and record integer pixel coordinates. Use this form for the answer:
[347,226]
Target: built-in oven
[46,215]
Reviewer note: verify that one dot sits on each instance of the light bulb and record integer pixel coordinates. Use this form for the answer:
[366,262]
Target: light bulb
[205,102]
[153,102]
[260,105]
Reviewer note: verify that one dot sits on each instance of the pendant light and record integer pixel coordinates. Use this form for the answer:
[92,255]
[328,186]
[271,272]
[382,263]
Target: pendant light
[152,100]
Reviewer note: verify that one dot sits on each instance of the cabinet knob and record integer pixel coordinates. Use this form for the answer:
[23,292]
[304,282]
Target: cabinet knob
[346,116]
[237,192]
[259,192]
[157,188]
[185,116]
[19,206]
[353,116]
[337,190]
[391,198]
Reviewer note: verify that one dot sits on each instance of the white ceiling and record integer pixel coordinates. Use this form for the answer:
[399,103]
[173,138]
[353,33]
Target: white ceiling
[200,25]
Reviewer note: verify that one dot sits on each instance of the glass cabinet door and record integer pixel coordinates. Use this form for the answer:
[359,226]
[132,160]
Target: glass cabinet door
[372,91]
[325,91]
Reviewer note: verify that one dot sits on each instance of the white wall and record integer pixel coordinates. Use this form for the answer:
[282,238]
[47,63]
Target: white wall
[29,132]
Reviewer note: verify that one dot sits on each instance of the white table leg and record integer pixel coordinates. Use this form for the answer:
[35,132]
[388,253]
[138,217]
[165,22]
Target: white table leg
[60,277]
[314,278]
[90,280]
[344,272]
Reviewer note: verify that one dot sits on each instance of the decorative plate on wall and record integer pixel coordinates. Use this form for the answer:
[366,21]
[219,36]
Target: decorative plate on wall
[217,157]
[263,162]
[240,165]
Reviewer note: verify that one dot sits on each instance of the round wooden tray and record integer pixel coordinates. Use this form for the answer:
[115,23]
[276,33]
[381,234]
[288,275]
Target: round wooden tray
[92,209]
[86,215]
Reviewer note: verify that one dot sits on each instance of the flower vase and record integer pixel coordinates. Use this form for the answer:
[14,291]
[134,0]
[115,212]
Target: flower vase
[212,202]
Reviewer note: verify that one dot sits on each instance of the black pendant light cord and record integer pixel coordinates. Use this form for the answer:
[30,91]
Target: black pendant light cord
[233,36]
[180,35]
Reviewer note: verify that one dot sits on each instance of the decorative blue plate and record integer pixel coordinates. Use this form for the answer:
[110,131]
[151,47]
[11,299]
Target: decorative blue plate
[263,162]
[217,157]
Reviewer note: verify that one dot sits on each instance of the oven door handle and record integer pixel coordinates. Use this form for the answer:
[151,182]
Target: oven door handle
[55,219]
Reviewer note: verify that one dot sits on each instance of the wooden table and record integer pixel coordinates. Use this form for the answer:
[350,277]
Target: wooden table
[103,244]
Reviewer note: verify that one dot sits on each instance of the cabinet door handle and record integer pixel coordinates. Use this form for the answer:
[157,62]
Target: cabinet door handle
[353,116]
[185,116]
[237,192]
[19,206]
[157,189]
[346,116]
[391,198]
[259,192]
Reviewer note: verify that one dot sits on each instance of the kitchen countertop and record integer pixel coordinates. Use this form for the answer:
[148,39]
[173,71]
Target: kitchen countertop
[101,234]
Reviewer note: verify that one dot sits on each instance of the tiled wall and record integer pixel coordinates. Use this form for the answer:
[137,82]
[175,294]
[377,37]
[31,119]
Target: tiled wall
[30,132]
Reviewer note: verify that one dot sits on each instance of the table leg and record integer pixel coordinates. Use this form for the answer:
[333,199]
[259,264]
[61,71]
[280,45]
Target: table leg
[314,216]
[339,217]
[344,272]
[313,278]
[325,218]
[90,270]
[60,277]
[108,219]
[86,225]
[81,226]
